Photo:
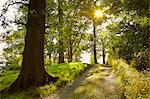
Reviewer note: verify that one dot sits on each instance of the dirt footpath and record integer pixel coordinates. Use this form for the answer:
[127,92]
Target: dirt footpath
[98,82]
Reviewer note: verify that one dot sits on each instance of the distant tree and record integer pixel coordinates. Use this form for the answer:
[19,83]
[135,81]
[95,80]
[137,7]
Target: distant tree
[104,40]
[65,26]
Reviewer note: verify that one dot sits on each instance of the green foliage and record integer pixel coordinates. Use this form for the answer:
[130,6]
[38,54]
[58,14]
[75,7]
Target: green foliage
[92,59]
[129,32]
[128,40]
[13,52]
[132,84]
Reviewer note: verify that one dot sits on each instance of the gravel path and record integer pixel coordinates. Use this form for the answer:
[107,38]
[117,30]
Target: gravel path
[98,82]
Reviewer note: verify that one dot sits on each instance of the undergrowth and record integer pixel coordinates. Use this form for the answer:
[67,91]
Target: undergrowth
[65,72]
[132,84]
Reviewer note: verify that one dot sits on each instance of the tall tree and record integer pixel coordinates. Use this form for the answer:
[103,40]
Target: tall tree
[33,73]
[94,42]
[61,47]
[88,7]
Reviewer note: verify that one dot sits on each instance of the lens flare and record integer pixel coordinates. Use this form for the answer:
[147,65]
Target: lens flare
[98,13]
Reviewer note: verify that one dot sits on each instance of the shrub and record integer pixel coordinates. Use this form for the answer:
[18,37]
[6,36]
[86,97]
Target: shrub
[132,84]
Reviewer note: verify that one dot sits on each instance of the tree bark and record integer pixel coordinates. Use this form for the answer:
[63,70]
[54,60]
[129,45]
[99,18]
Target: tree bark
[33,73]
[94,41]
[70,53]
[103,52]
[50,58]
[61,52]
[61,47]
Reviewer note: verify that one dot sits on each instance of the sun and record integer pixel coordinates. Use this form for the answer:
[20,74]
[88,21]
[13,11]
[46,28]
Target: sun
[98,13]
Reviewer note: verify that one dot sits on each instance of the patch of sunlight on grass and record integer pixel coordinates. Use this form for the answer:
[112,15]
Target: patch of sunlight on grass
[46,89]
[66,72]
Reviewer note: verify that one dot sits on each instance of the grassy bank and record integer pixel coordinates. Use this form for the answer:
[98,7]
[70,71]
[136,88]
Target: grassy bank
[65,72]
[132,84]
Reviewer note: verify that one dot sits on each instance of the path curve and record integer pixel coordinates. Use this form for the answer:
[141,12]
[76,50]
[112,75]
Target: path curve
[98,82]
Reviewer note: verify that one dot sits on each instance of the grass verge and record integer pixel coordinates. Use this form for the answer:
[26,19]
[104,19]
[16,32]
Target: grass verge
[132,84]
[65,72]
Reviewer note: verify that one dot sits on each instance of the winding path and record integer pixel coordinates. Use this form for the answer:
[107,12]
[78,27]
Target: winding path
[98,82]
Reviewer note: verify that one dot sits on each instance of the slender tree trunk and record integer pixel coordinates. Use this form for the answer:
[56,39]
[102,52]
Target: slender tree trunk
[61,47]
[61,52]
[50,58]
[70,53]
[33,73]
[103,52]
[94,41]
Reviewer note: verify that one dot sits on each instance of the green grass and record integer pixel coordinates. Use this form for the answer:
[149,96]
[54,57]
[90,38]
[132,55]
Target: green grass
[7,77]
[65,72]
[132,84]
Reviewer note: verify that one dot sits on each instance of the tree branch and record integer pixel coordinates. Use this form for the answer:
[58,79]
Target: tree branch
[17,22]
[10,4]
[78,43]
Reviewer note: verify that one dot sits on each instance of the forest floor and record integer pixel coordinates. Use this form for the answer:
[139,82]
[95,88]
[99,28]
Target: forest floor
[98,82]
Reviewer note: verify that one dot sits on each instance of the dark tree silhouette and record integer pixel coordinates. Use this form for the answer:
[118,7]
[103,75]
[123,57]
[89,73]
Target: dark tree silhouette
[94,41]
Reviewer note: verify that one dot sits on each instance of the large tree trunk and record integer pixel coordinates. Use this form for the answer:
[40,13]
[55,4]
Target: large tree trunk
[61,47]
[33,73]
[94,41]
